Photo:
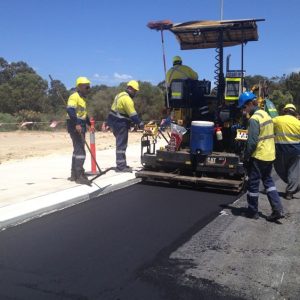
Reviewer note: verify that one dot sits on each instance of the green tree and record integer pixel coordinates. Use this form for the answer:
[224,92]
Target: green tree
[250,81]
[149,101]
[57,96]
[99,103]
[280,98]
[10,70]
[24,91]
[292,84]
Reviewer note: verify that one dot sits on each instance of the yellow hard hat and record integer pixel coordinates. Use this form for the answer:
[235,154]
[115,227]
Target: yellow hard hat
[134,84]
[82,80]
[290,106]
[177,59]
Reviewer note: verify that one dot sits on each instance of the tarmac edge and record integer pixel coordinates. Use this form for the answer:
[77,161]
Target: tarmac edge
[26,217]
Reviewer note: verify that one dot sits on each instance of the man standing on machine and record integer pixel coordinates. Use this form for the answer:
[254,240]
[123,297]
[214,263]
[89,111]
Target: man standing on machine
[194,94]
[180,71]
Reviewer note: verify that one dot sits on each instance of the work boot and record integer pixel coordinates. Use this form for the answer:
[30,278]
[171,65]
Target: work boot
[250,214]
[288,196]
[83,180]
[275,216]
[84,176]
[72,177]
[124,170]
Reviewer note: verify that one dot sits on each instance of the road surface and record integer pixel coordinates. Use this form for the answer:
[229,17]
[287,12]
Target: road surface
[111,247]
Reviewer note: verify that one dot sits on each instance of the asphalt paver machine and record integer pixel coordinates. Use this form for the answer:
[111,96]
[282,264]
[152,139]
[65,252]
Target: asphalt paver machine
[202,149]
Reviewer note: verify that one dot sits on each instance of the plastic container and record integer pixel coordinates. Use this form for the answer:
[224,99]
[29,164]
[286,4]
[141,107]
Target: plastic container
[201,140]
[219,134]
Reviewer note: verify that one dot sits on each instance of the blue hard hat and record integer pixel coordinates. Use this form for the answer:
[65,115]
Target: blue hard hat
[245,97]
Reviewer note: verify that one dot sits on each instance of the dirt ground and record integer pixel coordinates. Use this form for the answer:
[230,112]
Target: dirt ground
[19,145]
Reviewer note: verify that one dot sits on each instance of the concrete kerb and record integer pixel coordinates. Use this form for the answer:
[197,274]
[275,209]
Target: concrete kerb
[20,213]
[26,194]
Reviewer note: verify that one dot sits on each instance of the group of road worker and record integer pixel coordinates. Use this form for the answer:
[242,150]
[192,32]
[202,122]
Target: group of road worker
[121,115]
[119,119]
[270,141]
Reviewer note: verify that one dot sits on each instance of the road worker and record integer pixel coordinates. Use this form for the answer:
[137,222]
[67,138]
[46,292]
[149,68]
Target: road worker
[77,124]
[119,119]
[287,141]
[259,156]
[180,71]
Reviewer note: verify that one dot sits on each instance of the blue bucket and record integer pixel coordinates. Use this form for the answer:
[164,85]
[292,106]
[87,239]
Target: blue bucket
[201,140]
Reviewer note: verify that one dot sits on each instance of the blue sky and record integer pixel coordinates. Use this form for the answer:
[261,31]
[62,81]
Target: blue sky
[109,42]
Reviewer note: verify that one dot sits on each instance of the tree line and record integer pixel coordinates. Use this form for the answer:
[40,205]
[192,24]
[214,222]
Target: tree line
[25,95]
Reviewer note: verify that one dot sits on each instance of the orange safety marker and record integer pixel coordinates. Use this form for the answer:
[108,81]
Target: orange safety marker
[93,149]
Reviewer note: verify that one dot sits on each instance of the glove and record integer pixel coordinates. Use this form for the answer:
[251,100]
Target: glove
[78,128]
[141,125]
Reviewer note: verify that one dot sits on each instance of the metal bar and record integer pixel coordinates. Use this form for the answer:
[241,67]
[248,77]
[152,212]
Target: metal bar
[159,130]
[165,67]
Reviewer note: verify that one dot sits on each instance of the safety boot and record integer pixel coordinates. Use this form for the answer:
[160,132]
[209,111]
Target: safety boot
[253,215]
[250,214]
[83,180]
[124,170]
[288,196]
[73,176]
[275,216]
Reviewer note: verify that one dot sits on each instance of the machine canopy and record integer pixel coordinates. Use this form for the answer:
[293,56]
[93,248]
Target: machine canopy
[207,34]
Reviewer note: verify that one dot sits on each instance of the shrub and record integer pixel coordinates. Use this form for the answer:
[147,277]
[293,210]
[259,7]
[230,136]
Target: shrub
[8,122]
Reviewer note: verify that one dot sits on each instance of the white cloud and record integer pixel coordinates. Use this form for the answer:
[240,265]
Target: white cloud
[114,79]
[98,77]
[122,77]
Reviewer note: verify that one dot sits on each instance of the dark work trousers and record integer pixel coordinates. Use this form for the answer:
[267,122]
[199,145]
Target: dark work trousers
[287,167]
[121,135]
[261,170]
[78,157]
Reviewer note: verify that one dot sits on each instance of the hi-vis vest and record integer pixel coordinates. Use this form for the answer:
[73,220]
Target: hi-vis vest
[287,130]
[265,149]
[123,106]
[180,72]
[79,103]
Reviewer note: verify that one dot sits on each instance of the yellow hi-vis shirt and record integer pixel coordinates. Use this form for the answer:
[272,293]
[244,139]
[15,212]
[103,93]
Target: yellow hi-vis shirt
[180,72]
[123,105]
[287,130]
[265,149]
[79,103]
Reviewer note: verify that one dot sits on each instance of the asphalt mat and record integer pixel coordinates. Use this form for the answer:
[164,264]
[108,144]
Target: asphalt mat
[104,247]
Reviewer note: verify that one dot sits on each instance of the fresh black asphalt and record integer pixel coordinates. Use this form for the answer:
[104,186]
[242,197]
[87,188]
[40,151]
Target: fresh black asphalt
[111,247]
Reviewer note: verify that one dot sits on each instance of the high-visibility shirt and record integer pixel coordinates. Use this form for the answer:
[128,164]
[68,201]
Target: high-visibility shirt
[77,103]
[123,105]
[287,130]
[123,111]
[265,148]
[287,134]
[180,72]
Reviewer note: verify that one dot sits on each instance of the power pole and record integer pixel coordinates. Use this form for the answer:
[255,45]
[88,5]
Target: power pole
[222,4]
